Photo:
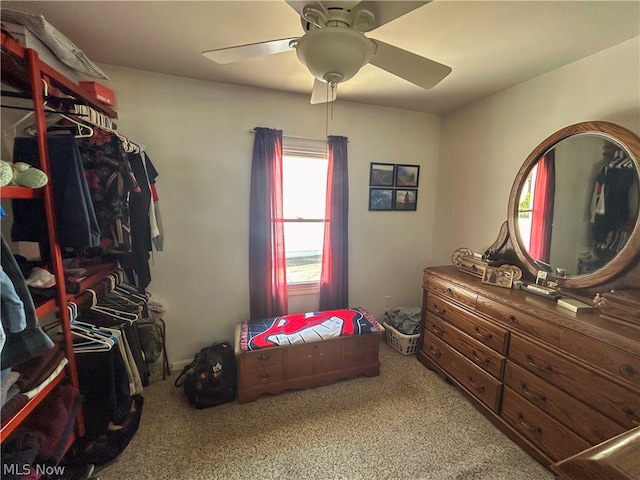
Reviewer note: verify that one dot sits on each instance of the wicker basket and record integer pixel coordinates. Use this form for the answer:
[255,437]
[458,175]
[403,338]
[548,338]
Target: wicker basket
[405,344]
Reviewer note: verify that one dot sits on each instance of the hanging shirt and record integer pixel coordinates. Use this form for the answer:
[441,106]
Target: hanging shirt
[77,224]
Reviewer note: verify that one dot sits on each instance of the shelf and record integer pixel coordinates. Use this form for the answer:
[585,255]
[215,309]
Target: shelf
[11,424]
[95,275]
[15,192]
[46,307]
[15,72]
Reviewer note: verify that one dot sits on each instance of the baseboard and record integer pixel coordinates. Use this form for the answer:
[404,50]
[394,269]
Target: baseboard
[179,365]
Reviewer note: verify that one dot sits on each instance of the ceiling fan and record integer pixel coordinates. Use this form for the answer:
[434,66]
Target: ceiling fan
[334,47]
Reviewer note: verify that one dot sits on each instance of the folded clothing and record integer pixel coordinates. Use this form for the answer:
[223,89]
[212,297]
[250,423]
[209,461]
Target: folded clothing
[406,320]
[36,370]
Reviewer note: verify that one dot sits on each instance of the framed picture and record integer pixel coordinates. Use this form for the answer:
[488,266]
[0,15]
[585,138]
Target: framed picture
[405,199]
[382,174]
[498,277]
[407,175]
[380,199]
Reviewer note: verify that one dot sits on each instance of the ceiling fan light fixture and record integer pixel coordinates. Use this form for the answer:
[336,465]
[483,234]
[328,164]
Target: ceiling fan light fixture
[335,51]
[332,78]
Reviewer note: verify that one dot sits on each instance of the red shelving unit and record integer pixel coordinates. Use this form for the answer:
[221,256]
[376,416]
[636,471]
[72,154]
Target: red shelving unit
[24,71]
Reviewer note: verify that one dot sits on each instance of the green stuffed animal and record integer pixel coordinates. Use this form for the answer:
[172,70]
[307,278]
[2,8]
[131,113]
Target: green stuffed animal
[21,174]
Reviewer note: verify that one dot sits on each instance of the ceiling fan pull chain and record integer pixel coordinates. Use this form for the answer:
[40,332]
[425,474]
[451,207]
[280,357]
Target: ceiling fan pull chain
[326,120]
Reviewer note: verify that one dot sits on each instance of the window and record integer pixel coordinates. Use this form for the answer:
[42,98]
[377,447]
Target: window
[304,167]
[525,208]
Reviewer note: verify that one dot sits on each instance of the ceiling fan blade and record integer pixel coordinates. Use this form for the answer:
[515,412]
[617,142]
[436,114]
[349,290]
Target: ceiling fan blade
[251,50]
[415,69]
[384,12]
[322,92]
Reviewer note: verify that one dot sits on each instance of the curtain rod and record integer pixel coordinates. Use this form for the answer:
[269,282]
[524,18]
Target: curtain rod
[253,130]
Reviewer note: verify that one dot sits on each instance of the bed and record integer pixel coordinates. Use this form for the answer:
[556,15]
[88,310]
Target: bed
[305,350]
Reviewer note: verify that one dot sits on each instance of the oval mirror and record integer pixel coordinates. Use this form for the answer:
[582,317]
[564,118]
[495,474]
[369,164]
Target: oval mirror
[575,203]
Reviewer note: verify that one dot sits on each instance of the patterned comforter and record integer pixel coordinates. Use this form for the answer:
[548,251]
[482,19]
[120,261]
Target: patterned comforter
[306,327]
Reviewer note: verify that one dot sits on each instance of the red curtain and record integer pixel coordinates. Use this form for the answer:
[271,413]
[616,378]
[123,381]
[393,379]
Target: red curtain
[542,208]
[334,278]
[267,262]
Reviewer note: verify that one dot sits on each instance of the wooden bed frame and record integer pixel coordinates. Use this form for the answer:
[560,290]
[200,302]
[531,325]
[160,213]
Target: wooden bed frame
[276,369]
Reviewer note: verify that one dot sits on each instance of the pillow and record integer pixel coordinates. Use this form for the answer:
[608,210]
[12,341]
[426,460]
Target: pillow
[60,45]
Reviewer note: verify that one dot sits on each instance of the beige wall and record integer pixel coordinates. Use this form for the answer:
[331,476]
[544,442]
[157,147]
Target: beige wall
[484,144]
[197,135]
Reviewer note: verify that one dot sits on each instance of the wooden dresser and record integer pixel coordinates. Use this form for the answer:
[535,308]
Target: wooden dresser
[276,369]
[615,459]
[554,381]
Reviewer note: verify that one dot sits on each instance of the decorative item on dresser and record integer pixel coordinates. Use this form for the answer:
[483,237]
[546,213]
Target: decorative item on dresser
[558,382]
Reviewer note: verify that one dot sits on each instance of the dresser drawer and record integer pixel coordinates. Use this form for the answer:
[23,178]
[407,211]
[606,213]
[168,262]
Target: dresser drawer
[452,291]
[601,393]
[478,382]
[478,353]
[265,375]
[549,435]
[583,420]
[617,362]
[261,358]
[260,367]
[491,335]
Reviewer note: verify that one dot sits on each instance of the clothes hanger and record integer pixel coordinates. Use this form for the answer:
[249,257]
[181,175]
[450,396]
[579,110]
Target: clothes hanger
[128,317]
[82,129]
[94,340]
[30,114]
[130,294]
[89,327]
[111,291]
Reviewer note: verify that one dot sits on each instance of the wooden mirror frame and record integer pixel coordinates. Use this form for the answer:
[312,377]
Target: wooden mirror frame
[628,257]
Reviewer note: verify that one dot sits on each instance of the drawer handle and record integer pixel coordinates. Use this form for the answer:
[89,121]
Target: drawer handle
[435,353]
[485,361]
[263,357]
[532,362]
[480,388]
[264,376]
[449,291]
[512,319]
[488,336]
[438,311]
[629,412]
[531,428]
[437,330]
[626,369]
[534,396]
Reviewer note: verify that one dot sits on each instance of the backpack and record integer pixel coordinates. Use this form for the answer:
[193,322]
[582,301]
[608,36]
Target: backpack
[211,379]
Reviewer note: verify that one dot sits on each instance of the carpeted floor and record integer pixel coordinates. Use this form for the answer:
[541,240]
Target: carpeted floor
[406,423]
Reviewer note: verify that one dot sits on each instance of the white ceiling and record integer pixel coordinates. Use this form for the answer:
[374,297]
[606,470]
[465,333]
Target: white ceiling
[490,45]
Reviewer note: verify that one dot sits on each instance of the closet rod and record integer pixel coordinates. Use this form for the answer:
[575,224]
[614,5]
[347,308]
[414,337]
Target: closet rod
[28,96]
[47,110]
